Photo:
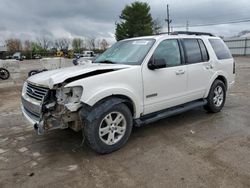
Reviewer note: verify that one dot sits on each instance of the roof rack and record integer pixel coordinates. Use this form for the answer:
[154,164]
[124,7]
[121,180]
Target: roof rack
[191,33]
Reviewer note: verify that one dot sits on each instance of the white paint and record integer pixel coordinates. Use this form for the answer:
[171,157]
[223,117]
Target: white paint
[2,151]
[72,167]
[20,138]
[34,163]
[23,149]
[36,154]
[4,139]
[4,159]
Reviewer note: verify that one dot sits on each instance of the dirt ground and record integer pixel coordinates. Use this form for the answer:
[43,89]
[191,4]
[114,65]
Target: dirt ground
[194,149]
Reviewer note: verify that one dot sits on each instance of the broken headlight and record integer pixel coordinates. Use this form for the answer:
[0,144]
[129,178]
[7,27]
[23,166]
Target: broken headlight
[69,97]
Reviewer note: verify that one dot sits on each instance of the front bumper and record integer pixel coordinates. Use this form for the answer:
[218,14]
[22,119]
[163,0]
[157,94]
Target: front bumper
[31,110]
[33,120]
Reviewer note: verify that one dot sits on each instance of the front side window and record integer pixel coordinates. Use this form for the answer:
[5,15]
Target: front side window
[220,49]
[129,52]
[169,51]
[193,52]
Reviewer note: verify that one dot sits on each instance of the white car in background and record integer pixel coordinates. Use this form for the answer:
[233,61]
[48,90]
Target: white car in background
[135,82]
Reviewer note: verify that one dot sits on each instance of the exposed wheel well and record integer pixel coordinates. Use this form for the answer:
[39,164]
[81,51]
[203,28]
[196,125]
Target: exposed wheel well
[223,79]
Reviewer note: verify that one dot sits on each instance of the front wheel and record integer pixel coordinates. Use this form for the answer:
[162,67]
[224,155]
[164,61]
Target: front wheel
[216,97]
[110,129]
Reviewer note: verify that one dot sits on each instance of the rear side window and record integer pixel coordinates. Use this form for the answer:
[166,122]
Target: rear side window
[220,49]
[204,52]
[193,52]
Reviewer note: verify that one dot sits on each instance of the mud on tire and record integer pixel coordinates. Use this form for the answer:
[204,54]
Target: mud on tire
[100,129]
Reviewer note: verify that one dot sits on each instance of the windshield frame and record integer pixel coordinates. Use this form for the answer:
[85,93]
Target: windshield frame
[129,40]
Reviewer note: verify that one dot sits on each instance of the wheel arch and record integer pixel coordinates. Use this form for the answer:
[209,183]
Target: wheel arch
[121,99]
[217,77]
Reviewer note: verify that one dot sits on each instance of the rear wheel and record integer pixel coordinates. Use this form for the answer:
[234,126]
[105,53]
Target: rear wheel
[110,129]
[216,97]
[4,74]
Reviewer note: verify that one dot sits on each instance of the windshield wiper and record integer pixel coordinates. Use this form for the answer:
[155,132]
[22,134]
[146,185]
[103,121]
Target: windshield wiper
[107,61]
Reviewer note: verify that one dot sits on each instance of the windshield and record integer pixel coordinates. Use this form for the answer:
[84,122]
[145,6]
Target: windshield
[130,52]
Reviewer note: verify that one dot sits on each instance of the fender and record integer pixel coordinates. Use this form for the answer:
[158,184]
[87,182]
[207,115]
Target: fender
[93,99]
[216,74]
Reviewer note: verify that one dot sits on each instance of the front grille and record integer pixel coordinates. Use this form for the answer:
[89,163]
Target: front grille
[31,107]
[36,92]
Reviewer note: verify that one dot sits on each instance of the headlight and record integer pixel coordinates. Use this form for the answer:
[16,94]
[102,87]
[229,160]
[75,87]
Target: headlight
[24,88]
[69,95]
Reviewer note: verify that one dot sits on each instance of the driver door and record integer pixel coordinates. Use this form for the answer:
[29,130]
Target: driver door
[165,87]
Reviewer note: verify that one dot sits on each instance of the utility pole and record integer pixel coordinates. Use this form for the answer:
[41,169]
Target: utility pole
[168,19]
[187,25]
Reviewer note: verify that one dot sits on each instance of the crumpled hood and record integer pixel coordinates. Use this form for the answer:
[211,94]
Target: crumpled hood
[50,78]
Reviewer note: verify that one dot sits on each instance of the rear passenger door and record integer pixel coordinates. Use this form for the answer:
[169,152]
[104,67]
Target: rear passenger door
[199,67]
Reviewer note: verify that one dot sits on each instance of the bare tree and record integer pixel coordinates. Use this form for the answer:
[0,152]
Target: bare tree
[91,43]
[13,45]
[45,43]
[157,26]
[104,44]
[77,44]
[27,46]
[62,43]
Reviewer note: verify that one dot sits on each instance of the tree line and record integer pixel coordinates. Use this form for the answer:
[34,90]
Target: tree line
[46,45]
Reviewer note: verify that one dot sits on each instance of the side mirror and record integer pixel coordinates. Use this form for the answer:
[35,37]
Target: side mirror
[156,64]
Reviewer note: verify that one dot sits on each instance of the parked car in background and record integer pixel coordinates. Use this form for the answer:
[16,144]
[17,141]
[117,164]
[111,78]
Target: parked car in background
[18,56]
[37,56]
[88,54]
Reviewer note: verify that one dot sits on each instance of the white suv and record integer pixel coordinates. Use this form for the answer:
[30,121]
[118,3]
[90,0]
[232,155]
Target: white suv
[135,82]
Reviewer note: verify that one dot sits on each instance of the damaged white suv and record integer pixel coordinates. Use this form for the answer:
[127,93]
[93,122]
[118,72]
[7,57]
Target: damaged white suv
[135,82]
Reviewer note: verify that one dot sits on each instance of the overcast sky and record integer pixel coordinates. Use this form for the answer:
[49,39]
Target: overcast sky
[30,19]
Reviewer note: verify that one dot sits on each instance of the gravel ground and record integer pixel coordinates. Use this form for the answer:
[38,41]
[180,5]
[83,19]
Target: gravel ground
[194,149]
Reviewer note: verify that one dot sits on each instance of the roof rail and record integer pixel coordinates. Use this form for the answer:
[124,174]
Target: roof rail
[191,33]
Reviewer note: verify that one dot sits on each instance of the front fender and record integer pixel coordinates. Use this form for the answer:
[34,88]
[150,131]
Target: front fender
[92,99]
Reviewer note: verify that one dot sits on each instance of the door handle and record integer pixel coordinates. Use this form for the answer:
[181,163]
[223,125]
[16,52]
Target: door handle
[179,72]
[210,66]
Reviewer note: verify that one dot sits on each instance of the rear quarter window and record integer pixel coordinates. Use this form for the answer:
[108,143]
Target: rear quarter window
[220,49]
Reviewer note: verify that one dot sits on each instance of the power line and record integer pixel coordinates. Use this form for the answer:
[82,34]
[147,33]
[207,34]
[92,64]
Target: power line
[215,23]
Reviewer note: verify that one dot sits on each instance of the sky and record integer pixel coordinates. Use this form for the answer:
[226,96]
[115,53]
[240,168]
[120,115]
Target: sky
[31,19]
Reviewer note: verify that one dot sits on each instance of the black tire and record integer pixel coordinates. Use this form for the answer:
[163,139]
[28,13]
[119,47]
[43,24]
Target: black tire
[212,105]
[32,72]
[92,126]
[4,74]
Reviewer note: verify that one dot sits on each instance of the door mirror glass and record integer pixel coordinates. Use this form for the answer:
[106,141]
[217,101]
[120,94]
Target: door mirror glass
[156,64]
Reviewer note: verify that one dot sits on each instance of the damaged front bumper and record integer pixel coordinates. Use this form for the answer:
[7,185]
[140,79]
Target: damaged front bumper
[32,111]
[49,109]
[49,117]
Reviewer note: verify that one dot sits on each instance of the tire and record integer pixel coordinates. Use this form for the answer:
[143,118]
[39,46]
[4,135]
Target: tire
[100,131]
[4,74]
[32,72]
[216,97]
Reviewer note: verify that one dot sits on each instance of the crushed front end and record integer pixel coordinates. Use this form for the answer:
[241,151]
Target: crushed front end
[49,109]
